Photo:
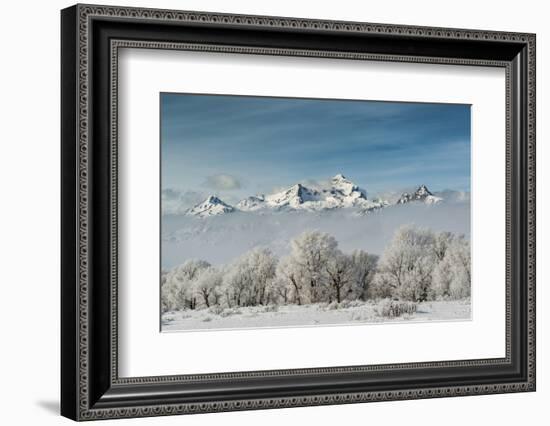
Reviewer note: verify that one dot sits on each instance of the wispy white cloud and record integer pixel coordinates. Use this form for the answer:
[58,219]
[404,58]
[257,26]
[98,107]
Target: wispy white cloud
[222,182]
[175,201]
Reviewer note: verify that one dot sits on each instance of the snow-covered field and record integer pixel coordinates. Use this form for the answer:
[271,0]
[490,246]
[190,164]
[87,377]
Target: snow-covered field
[308,315]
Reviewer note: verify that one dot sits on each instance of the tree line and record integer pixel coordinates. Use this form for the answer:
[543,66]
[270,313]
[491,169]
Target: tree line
[417,265]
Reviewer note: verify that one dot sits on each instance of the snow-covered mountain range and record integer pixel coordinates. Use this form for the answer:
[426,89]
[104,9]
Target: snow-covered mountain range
[338,193]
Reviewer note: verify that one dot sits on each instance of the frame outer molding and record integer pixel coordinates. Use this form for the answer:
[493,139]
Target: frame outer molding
[76,402]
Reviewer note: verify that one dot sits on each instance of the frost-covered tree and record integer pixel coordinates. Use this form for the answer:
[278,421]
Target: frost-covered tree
[442,273]
[249,277]
[310,252]
[452,275]
[189,270]
[173,296]
[263,265]
[226,291]
[237,283]
[207,284]
[442,277]
[460,254]
[164,300]
[280,289]
[177,291]
[289,282]
[339,268]
[163,275]
[441,242]
[406,265]
[364,270]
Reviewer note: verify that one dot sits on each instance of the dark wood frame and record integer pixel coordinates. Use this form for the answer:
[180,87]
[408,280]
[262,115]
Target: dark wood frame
[90,386]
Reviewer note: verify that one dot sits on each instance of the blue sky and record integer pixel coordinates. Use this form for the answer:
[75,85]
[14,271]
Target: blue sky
[235,146]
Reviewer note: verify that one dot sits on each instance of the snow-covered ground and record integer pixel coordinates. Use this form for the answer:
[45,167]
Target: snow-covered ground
[308,315]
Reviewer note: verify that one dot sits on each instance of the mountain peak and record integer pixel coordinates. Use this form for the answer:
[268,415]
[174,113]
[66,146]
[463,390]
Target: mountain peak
[211,206]
[296,187]
[343,187]
[421,194]
[212,199]
[423,191]
[292,197]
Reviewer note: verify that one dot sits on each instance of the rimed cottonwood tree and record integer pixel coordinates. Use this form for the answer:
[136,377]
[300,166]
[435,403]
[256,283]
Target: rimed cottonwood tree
[406,265]
[339,268]
[207,285]
[249,277]
[310,253]
[177,292]
[289,282]
[364,270]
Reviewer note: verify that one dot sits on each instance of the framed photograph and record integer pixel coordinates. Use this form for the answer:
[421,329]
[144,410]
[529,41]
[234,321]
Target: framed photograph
[263,212]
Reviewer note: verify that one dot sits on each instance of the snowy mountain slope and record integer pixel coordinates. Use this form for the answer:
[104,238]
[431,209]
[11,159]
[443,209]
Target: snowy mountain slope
[346,189]
[252,203]
[421,194]
[212,206]
[294,197]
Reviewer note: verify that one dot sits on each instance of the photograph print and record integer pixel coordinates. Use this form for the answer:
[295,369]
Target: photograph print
[292,212]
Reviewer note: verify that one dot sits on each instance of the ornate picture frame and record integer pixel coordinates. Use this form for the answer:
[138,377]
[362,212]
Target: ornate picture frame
[91,37]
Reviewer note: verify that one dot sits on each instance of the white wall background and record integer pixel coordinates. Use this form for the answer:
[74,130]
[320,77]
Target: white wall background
[29,211]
